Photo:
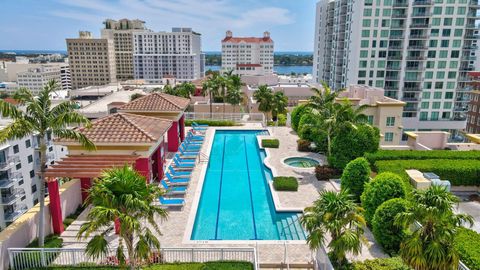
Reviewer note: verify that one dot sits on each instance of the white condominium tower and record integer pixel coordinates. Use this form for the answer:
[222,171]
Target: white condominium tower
[419,51]
[247,55]
[163,54]
[121,32]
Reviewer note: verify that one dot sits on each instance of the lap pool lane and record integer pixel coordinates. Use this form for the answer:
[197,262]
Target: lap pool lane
[236,203]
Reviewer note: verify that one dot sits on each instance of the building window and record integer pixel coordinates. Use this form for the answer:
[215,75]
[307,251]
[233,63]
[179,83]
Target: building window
[34,188]
[370,119]
[388,136]
[18,166]
[35,202]
[390,121]
[28,143]
[16,149]
[30,159]
[32,173]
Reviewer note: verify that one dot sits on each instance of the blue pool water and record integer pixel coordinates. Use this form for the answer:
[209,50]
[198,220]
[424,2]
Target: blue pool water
[236,203]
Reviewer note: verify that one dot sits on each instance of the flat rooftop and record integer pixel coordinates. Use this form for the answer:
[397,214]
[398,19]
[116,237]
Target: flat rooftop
[100,106]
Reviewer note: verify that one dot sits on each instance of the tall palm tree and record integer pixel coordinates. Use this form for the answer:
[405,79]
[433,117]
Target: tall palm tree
[279,104]
[234,92]
[123,194]
[263,95]
[41,118]
[211,88]
[431,244]
[223,82]
[336,214]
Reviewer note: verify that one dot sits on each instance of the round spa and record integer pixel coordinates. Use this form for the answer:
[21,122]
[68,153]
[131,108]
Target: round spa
[301,162]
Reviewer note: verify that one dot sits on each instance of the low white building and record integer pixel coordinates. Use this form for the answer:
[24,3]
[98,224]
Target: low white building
[36,78]
[247,55]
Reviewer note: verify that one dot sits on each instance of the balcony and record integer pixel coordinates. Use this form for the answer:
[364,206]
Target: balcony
[409,109]
[412,89]
[391,87]
[470,47]
[394,57]
[419,25]
[469,58]
[12,198]
[416,79]
[19,210]
[414,68]
[421,14]
[393,68]
[418,47]
[410,99]
[398,47]
[399,15]
[9,182]
[416,57]
[419,36]
[392,78]
[471,36]
[396,36]
[399,4]
[11,161]
[422,3]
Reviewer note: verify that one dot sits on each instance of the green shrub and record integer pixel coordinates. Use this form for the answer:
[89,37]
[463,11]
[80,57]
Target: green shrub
[297,114]
[419,155]
[303,145]
[394,263]
[458,172]
[270,143]
[356,174]
[228,265]
[67,222]
[382,188]
[324,173]
[212,123]
[387,234]
[282,120]
[350,143]
[285,183]
[467,243]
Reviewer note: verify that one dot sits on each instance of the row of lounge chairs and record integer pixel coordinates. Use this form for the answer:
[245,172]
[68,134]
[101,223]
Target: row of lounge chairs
[180,169]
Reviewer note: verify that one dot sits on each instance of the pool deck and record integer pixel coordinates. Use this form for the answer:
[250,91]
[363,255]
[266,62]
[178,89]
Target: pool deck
[177,228]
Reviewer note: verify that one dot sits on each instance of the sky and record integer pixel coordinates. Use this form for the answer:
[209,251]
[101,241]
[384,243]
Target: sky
[44,24]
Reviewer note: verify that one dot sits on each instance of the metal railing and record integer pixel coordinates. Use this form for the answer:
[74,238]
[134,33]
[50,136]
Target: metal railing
[236,117]
[10,162]
[26,258]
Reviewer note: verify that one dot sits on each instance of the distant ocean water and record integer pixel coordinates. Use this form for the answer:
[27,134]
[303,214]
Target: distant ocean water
[23,52]
[278,69]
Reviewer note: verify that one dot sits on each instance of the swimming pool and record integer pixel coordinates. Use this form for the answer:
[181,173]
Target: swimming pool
[236,203]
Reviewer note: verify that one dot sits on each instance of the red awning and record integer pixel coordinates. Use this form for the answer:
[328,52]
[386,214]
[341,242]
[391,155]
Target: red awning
[87,166]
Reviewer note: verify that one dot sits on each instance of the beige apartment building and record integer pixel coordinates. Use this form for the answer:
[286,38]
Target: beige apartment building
[91,60]
[382,112]
[121,33]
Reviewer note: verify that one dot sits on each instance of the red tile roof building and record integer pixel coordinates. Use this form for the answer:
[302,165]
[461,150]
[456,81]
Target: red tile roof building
[247,55]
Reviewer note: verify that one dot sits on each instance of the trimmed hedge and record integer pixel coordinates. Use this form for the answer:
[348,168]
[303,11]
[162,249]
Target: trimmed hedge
[419,155]
[212,123]
[467,243]
[355,176]
[303,145]
[387,234]
[285,183]
[458,172]
[325,173]
[394,263]
[382,188]
[270,143]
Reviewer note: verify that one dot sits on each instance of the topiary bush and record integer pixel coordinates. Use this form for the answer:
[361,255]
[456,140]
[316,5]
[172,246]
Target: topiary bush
[282,120]
[382,188]
[270,143]
[303,145]
[325,173]
[285,183]
[394,263]
[356,174]
[297,114]
[467,243]
[386,233]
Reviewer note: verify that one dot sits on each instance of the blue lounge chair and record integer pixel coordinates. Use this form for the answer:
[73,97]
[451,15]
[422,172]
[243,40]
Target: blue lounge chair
[192,142]
[173,189]
[192,147]
[184,148]
[176,173]
[171,201]
[177,181]
[188,154]
[199,125]
[185,159]
[196,126]
[193,137]
[181,165]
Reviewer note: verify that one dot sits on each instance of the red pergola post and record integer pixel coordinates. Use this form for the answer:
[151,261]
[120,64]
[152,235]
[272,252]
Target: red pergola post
[181,124]
[173,137]
[55,206]
[85,184]
[117,225]
[159,158]
[142,165]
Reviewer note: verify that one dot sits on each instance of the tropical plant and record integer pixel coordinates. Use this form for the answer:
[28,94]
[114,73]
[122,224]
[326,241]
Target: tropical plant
[263,95]
[355,176]
[279,104]
[297,114]
[338,215]
[135,96]
[185,89]
[42,119]
[431,244]
[211,88]
[122,194]
[383,187]
[234,94]
[386,232]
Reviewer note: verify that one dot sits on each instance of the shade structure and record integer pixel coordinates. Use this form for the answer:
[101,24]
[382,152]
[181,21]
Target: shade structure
[88,166]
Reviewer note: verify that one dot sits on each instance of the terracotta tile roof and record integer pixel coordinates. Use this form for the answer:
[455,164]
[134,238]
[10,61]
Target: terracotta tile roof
[125,128]
[247,40]
[157,102]
[11,101]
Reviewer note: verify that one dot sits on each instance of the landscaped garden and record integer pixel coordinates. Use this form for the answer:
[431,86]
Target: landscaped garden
[170,266]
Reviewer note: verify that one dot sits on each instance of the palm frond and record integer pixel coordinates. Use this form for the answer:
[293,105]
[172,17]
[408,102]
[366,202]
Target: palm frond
[74,135]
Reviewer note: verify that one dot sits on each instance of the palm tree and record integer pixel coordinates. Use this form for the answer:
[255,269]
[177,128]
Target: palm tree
[210,87]
[40,118]
[223,82]
[279,104]
[234,93]
[123,194]
[263,95]
[336,214]
[186,89]
[431,244]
